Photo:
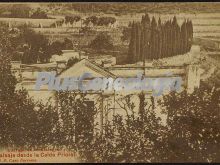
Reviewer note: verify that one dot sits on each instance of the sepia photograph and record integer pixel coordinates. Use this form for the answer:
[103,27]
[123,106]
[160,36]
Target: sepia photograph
[110,82]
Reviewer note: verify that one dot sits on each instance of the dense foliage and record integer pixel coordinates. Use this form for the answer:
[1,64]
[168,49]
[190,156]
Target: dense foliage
[103,41]
[191,133]
[23,122]
[99,21]
[72,19]
[39,14]
[194,126]
[23,11]
[152,40]
[32,47]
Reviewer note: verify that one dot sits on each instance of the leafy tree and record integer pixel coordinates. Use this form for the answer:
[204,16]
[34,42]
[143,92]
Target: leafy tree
[72,19]
[92,19]
[126,34]
[8,81]
[103,41]
[76,120]
[67,44]
[22,125]
[127,139]
[56,47]
[99,21]
[25,123]
[190,135]
[193,125]
[105,21]
[37,45]
[77,18]
[39,14]
[34,40]
[58,23]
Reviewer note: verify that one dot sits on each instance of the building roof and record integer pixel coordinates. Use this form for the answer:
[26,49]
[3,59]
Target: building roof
[86,66]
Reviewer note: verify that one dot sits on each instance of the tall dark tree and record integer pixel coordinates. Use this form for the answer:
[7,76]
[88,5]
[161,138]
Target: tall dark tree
[138,41]
[160,40]
[126,33]
[153,41]
[142,44]
[166,29]
[163,33]
[170,41]
[174,36]
[156,40]
[178,40]
[147,36]
[183,38]
[132,45]
[189,34]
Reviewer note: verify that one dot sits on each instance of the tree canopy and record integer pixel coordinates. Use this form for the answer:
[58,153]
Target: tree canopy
[103,41]
[151,39]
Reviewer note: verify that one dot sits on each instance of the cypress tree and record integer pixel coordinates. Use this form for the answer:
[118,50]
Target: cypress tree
[189,34]
[153,38]
[143,25]
[160,41]
[174,36]
[169,38]
[178,41]
[183,38]
[142,19]
[142,44]
[163,41]
[138,40]
[191,29]
[146,18]
[132,45]
[147,37]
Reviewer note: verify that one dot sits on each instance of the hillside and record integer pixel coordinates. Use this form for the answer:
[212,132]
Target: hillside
[120,8]
[124,8]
